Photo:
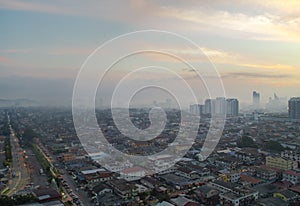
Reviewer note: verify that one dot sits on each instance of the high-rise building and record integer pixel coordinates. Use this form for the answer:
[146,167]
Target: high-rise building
[256,100]
[232,107]
[294,108]
[220,105]
[277,104]
[197,109]
[210,106]
[201,109]
[194,109]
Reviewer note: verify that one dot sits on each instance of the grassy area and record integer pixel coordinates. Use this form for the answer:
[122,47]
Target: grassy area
[42,159]
[8,155]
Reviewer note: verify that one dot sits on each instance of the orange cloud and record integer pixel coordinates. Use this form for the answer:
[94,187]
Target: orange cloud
[271,66]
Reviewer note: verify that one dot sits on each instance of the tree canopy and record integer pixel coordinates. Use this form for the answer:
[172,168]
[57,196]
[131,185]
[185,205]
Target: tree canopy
[246,142]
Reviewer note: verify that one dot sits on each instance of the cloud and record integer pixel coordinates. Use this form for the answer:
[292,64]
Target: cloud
[284,7]
[264,26]
[270,66]
[255,75]
[203,54]
[34,6]
[220,58]
[260,20]
[17,50]
[70,51]
[111,10]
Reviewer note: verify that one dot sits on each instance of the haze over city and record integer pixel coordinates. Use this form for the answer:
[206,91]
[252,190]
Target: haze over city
[254,45]
[149,103]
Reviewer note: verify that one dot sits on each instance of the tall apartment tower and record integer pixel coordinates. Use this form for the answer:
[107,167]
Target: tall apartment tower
[232,107]
[220,105]
[197,109]
[210,106]
[294,108]
[256,100]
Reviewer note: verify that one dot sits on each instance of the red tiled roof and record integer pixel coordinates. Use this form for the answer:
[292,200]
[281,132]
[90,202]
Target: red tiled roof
[250,179]
[295,188]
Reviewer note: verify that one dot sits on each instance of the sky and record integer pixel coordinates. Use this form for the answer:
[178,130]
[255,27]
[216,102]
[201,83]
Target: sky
[254,45]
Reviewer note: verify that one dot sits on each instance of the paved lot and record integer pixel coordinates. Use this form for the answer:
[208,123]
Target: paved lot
[34,170]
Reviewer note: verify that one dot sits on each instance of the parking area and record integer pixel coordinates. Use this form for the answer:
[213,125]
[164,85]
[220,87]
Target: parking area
[37,179]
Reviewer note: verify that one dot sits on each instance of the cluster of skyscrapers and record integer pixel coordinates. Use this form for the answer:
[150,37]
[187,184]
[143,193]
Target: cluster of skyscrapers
[230,107]
[218,106]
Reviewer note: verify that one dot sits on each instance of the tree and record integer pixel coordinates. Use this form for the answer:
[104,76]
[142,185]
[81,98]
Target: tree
[28,135]
[274,146]
[246,142]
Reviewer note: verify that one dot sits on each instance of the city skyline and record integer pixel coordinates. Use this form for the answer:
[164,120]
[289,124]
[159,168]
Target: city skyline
[136,102]
[253,45]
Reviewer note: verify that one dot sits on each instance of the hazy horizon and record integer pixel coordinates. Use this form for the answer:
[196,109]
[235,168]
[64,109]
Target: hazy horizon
[254,45]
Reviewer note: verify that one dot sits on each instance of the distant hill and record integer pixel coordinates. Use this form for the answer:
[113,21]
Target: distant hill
[17,102]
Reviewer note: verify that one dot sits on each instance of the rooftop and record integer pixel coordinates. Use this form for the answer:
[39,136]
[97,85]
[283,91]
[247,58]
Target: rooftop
[291,172]
[250,179]
[87,172]
[133,170]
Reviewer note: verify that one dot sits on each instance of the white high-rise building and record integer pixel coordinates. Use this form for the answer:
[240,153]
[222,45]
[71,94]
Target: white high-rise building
[210,106]
[232,107]
[222,106]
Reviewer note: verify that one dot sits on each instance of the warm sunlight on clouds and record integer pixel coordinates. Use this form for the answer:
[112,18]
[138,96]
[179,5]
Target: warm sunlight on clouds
[264,26]
[282,67]
[253,44]
[288,7]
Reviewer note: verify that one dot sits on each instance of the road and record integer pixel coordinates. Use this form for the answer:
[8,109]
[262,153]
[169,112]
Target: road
[18,166]
[82,195]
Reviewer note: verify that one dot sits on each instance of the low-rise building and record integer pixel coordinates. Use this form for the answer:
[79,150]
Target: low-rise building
[132,174]
[291,176]
[96,175]
[231,177]
[150,182]
[123,188]
[207,195]
[228,162]
[279,163]
[236,199]
[248,180]
[287,196]
[266,173]
[292,155]
[223,186]
[246,158]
